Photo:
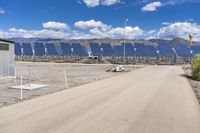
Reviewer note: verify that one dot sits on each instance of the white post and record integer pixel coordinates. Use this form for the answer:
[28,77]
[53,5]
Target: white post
[15,75]
[29,75]
[21,89]
[65,75]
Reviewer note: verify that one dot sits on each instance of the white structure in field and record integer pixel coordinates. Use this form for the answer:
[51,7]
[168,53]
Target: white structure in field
[7,58]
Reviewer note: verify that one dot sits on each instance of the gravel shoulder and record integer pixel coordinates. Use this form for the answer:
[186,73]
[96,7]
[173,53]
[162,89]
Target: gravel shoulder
[195,84]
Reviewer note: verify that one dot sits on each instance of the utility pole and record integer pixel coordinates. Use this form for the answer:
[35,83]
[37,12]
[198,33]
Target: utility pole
[124,40]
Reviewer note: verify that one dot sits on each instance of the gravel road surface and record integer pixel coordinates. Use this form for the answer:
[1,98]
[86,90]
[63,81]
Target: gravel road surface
[149,100]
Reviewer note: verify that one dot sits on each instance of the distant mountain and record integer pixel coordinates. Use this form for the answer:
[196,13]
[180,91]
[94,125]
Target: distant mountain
[33,40]
[159,40]
[49,40]
[103,40]
[179,40]
[24,40]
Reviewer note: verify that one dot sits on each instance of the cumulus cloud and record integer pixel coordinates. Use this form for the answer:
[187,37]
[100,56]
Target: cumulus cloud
[131,32]
[151,6]
[97,29]
[179,29]
[101,30]
[91,24]
[175,2]
[110,2]
[94,3]
[2,11]
[118,32]
[55,25]
[23,33]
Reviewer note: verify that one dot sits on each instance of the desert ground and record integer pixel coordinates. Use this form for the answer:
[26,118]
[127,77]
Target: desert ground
[153,99]
[51,74]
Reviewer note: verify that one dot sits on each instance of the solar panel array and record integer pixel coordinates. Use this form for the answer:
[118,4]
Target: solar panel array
[118,50]
[95,49]
[66,49]
[165,50]
[182,50]
[78,50]
[195,49]
[129,49]
[39,49]
[105,49]
[27,49]
[18,48]
[51,49]
[133,50]
[143,50]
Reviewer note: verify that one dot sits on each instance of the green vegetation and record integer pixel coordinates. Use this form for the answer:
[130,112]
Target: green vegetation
[196,68]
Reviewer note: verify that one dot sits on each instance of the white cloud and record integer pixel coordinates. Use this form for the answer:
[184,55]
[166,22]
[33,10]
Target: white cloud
[44,33]
[98,33]
[179,29]
[175,2]
[110,2]
[118,32]
[94,3]
[151,6]
[2,11]
[101,30]
[91,24]
[55,25]
[97,29]
[131,32]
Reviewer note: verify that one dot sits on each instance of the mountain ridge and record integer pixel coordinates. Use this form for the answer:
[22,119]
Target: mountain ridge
[102,40]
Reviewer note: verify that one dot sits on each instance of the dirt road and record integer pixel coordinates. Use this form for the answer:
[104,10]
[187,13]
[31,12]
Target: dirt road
[148,100]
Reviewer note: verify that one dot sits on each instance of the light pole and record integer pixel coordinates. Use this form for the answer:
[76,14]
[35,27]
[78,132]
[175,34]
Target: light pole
[124,40]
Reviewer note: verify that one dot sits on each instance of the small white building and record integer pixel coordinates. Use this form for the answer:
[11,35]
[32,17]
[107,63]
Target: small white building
[7,58]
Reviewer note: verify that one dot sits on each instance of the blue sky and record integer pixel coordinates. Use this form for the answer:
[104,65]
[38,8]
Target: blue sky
[99,18]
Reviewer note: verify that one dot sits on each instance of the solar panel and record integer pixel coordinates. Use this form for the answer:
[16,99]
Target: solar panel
[18,49]
[95,49]
[165,50]
[129,49]
[150,51]
[59,50]
[182,50]
[39,49]
[106,49]
[145,50]
[51,50]
[118,50]
[195,49]
[78,50]
[27,49]
[139,49]
[66,49]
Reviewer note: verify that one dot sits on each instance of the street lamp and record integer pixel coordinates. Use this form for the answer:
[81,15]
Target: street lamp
[124,40]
